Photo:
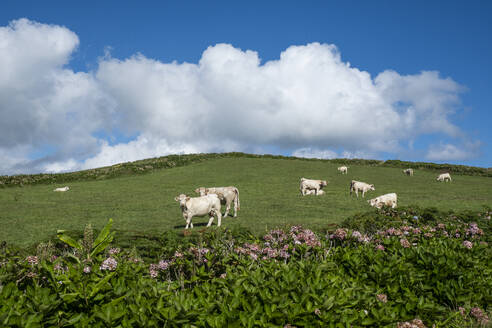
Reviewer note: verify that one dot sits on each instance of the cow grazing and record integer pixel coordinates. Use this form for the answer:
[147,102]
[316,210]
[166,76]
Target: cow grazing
[313,192]
[408,172]
[200,206]
[362,186]
[314,185]
[227,196]
[444,177]
[66,188]
[343,169]
[384,200]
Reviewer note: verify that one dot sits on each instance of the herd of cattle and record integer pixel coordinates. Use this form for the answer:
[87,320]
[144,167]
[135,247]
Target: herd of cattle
[210,200]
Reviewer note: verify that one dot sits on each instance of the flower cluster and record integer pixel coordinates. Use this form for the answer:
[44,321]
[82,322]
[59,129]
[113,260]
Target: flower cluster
[109,264]
[32,260]
[480,315]
[415,323]
[114,251]
[382,298]
[339,234]
[468,244]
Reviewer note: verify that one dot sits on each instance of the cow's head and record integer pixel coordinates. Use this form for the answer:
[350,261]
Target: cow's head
[182,199]
[373,202]
[202,191]
[323,183]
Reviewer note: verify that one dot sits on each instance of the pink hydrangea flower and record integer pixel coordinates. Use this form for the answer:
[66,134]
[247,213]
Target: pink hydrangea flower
[404,243]
[468,244]
[109,264]
[382,298]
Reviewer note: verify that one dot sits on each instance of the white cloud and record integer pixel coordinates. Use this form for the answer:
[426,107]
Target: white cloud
[315,153]
[308,99]
[450,152]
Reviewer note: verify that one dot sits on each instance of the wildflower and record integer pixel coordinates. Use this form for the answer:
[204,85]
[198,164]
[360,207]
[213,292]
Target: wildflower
[462,311]
[416,231]
[163,265]
[59,268]
[31,274]
[223,276]
[415,217]
[178,254]
[364,239]
[87,269]
[441,226]
[317,311]
[32,260]
[457,235]
[153,270]
[53,258]
[340,234]
[356,234]
[380,247]
[415,323]
[109,264]
[468,244]
[479,315]
[404,243]
[113,251]
[428,235]
[135,260]
[382,298]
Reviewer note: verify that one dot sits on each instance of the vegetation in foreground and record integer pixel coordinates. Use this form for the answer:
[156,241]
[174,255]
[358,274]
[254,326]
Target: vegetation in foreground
[393,267]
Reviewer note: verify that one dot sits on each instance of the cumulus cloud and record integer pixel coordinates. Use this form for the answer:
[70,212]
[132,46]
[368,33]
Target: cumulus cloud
[450,152]
[307,102]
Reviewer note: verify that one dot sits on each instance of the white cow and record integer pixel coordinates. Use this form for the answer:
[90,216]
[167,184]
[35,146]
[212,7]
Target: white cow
[362,186]
[314,185]
[444,177]
[384,200]
[199,206]
[227,195]
[66,188]
[408,172]
[343,169]
[313,192]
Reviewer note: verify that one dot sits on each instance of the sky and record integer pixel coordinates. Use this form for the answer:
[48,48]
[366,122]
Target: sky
[94,83]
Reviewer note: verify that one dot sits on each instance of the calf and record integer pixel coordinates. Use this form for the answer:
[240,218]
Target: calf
[314,185]
[227,195]
[444,177]
[384,200]
[362,186]
[199,206]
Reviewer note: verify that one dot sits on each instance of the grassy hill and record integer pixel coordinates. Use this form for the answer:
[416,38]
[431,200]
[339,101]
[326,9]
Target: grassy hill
[268,185]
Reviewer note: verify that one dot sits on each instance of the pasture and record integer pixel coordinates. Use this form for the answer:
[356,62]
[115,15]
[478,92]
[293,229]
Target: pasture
[269,195]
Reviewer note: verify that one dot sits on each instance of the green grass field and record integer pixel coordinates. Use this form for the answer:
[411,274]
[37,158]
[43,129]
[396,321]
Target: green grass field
[269,195]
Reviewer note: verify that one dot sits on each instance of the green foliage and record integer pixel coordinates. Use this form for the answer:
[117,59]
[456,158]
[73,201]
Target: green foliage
[220,278]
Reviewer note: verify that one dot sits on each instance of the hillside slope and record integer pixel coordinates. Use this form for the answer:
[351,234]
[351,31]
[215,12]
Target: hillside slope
[269,194]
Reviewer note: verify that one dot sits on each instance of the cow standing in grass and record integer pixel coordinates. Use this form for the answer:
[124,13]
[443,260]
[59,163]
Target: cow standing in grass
[362,186]
[444,177]
[227,196]
[311,185]
[408,172]
[199,206]
[343,169]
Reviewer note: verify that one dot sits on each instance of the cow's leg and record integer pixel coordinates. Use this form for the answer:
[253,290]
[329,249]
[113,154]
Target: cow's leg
[363,193]
[188,222]
[228,207]
[235,206]
[211,219]
[219,218]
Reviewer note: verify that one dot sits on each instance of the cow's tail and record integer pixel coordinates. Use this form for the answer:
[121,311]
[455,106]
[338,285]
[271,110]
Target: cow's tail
[236,199]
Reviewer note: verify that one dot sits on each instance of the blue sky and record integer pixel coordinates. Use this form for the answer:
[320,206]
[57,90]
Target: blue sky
[384,79]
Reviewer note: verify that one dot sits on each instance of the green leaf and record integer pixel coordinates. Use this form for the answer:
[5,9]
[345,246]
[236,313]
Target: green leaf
[68,240]
[98,286]
[104,233]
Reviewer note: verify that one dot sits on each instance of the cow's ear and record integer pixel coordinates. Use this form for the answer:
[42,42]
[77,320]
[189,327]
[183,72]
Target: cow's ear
[176,198]
[187,198]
